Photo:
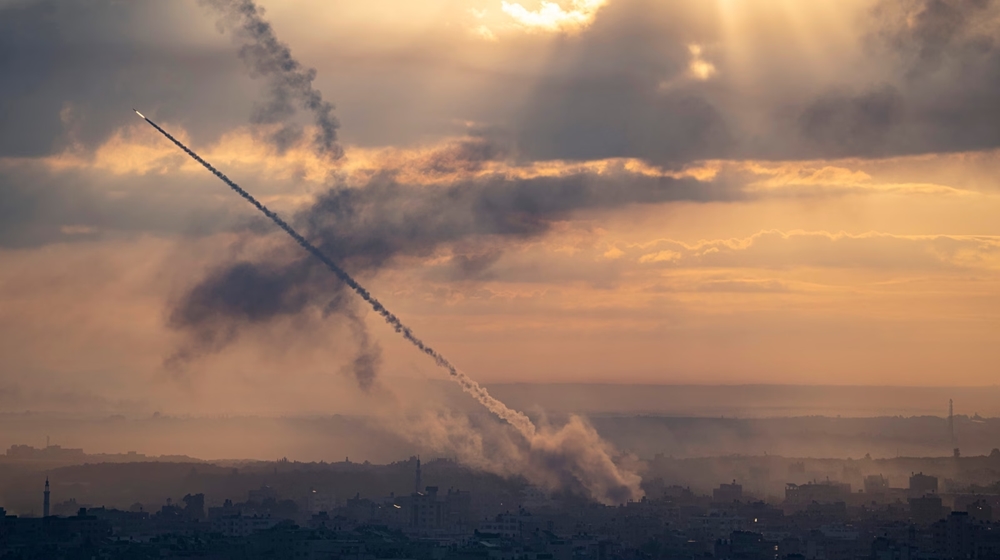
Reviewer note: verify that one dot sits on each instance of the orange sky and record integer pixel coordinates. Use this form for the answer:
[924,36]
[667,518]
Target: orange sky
[714,191]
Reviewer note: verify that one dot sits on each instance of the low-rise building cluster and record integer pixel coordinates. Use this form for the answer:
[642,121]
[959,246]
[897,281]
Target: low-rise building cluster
[821,520]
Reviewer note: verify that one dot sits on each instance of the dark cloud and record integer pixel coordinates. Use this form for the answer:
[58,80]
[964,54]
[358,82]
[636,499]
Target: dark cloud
[72,70]
[841,125]
[934,28]
[585,119]
[949,74]
[618,90]
[41,205]
[941,63]
[622,88]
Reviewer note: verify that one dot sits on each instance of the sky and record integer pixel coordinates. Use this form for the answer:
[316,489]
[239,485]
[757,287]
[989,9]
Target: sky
[600,191]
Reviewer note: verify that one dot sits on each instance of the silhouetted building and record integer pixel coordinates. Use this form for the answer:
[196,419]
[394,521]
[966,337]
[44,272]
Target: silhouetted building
[955,536]
[418,483]
[819,492]
[921,484]
[261,495]
[67,508]
[427,512]
[431,512]
[243,525]
[45,499]
[876,484]
[885,548]
[320,501]
[227,509]
[506,525]
[123,523]
[715,526]
[194,506]
[980,511]
[818,520]
[54,453]
[926,509]
[743,544]
[728,493]
[826,512]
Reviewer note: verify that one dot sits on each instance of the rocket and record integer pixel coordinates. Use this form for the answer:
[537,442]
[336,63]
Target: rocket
[513,417]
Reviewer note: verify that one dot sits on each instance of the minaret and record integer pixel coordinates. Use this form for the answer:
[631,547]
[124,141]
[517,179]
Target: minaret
[951,420]
[417,486]
[45,502]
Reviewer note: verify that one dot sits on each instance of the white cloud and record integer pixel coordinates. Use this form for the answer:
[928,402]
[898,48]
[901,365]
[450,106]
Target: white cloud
[872,250]
[552,16]
[699,68]
[661,256]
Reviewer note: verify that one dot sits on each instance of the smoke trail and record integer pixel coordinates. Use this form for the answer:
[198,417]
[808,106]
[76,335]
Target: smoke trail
[267,56]
[365,364]
[513,417]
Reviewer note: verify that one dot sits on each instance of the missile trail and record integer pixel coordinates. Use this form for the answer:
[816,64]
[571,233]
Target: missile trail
[469,385]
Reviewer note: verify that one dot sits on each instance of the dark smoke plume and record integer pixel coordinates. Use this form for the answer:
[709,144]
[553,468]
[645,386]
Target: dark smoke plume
[366,362]
[363,228]
[365,365]
[571,457]
[371,224]
[246,293]
[513,417]
[289,81]
[243,293]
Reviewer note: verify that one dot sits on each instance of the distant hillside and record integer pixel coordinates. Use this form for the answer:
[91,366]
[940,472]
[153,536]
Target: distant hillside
[56,455]
[749,401]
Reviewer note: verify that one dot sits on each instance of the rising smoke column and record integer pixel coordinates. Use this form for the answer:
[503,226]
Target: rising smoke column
[365,364]
[289,81]
[513,417]
[256,293]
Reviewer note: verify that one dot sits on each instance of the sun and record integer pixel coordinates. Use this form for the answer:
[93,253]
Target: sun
[552,16]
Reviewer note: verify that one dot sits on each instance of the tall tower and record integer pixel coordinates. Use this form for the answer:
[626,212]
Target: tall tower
[951,426]
[45,501]
[418,481]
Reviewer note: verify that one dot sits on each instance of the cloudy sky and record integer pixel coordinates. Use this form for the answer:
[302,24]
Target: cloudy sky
[624,191]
